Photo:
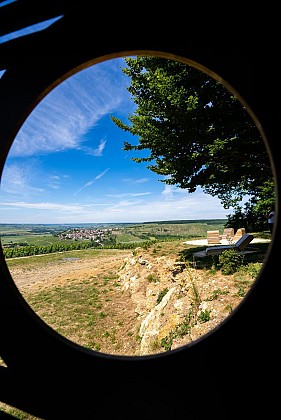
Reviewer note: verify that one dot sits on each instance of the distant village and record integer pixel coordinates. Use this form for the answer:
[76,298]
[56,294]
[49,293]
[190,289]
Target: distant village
[96,235]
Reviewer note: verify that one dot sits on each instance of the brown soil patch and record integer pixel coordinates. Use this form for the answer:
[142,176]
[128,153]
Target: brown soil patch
[63,271]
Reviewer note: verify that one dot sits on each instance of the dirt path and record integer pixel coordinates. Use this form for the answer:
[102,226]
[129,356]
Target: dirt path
[59,272]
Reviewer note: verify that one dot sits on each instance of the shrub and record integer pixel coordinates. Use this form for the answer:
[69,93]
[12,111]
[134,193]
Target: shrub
[230,261]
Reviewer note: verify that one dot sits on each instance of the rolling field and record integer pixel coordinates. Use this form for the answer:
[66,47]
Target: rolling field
[44,235]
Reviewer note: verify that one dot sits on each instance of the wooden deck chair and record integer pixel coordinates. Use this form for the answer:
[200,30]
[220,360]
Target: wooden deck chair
[228,234]
[239,233]
[213,237]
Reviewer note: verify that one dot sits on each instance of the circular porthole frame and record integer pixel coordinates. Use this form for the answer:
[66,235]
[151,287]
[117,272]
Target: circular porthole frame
[49,376]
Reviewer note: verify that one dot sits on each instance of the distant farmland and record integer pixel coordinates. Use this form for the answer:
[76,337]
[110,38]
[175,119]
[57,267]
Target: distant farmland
[24,240]
[47,234]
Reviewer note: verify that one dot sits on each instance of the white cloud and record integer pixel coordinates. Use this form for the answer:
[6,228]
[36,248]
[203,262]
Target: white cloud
[95,152]
[168,192]
[70,110]
[136,181]
[89,183]
[141,180]
[122,195]
[43,206]
[185,207]
[18,180]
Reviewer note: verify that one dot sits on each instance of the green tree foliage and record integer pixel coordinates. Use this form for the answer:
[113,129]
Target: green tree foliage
[194,132]
[255,213]
[27,251]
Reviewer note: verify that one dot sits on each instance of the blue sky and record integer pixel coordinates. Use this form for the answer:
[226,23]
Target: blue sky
[67,165]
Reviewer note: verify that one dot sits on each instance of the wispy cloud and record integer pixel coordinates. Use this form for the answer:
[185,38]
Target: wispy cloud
[67,113]
[95,152]
[136,181]
[169,191]
[141,180]
[184,206]
[19,180]
[43,206]
[54,181]
[173,204]
[128,195]
[89,183]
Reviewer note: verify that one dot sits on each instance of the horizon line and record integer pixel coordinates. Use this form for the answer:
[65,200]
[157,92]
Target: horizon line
[115,223]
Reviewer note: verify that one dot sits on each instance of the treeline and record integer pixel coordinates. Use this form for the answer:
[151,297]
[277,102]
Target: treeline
[27,251]
[184,222]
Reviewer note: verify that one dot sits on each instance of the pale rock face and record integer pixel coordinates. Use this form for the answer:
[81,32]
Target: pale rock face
[175,301]
[151,325]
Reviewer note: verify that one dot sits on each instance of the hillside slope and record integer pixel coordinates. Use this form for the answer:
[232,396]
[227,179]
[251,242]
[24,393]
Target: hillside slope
[148,300]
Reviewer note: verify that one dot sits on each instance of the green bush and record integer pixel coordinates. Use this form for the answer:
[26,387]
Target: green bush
[253,269]
[230,261]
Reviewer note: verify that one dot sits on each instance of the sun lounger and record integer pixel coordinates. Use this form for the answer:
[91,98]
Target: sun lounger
[238,246]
